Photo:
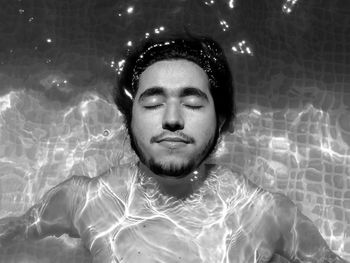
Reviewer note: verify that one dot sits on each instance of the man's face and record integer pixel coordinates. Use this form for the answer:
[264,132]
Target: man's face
[173,126]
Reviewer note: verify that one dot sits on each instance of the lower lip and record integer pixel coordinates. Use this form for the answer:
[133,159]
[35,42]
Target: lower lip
[173,144]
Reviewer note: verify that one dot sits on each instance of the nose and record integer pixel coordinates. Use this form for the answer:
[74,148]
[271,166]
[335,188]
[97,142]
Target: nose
[172,118]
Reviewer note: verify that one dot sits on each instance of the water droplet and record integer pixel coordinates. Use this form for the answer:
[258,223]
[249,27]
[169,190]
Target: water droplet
[232,4]
[288,5]
[130,10]
[106,133]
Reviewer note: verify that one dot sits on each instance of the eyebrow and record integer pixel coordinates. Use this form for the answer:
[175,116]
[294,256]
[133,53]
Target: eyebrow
[154,91]
[190,91]
[187,91]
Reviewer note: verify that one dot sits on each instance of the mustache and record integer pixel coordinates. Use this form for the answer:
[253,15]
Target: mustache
[179,134]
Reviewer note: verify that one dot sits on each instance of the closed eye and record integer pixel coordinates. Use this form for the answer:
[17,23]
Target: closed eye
[193,102]
[195,107]
[152,102]
[152,107]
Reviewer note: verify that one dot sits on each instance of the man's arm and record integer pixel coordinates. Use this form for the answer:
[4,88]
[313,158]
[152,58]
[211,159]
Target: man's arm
[51,216]
[301,241]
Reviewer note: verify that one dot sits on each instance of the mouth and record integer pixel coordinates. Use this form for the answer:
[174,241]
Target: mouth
[173,140]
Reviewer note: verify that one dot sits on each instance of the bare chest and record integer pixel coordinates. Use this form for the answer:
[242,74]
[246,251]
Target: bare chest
[143,229]
[163,231]
[219,224]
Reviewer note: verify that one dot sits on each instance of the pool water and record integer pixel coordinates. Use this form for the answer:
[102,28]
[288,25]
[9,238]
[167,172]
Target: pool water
[291,68]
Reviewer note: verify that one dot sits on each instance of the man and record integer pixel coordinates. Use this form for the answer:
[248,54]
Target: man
[173,206]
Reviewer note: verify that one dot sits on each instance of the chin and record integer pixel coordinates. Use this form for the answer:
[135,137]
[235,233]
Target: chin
[174,167]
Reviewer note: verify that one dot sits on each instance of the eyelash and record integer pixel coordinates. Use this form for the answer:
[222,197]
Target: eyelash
[194,107]
[153,107]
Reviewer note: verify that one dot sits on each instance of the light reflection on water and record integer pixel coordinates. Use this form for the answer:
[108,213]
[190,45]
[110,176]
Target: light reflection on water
[300,152]
[300,148]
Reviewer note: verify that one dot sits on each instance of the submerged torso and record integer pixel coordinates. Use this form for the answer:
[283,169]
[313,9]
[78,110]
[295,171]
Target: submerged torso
[124,217]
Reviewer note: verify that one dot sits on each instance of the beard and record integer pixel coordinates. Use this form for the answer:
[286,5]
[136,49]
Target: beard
[177,170]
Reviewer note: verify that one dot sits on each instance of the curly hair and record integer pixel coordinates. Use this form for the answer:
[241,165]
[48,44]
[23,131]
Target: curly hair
[203,51]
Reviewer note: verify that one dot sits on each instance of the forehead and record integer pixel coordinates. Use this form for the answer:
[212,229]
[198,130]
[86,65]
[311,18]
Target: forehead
[172,74]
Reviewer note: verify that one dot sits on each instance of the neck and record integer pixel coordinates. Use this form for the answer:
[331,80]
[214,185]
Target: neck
[179,188]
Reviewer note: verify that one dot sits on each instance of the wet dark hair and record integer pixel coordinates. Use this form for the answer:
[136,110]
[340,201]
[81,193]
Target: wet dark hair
[203,51]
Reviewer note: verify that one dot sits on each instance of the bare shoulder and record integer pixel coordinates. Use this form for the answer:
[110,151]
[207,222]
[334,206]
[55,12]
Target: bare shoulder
[239,181]
[234,185]
[285,211]
[117,179]
[251,201]
[252,214]
[230,178]
[119,174]
[78,180]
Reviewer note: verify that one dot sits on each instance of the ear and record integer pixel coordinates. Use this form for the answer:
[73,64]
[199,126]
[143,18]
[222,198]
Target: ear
[222,123]
[231,127]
